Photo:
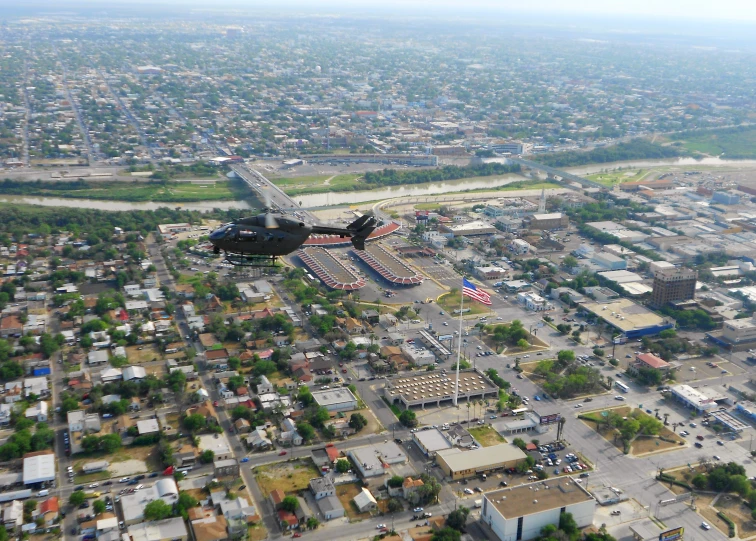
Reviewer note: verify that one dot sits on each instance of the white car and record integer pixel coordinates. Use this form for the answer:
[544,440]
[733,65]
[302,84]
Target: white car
[94,485]
[705,526]
[619,397]
[380,526]
[578,406]
[469,491]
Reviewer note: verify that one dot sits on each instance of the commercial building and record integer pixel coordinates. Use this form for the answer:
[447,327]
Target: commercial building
[216,443]
[693,398]
[628,317]
[601,294]
[133,505]
[520,513]
[431,441]
[609,261]
[432,388]
[418,356]
[670,285]
[99,465]
[459,464]
[340,399]
[469,229]
[649,361]
[491,273]
[520,247]
[725,198]
[374,460]
[533,301]
[739,331]
[39,467]
[554,220]
[170,529]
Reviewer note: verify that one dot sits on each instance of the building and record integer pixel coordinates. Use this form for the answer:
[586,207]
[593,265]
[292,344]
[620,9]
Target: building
[39,412]
[133,505]
[170,229]
[491,273]
[533,301]
[339,399]
[148,426]
[601,294]
[134,372]
[670,285]
[431,441]
[39,467]
[725,198]
[417,355]
[98,465]
[226,468]
[520,513]
[469,229]
[693,398]
[609,261]
[331,508]
[459,464]
[649,361]
[428,388]
[365,501]
[373,460]
[210,528]
[628,317]
[520,247]
[217,443]
[739,331]
[322,487]
[554,220]
[170,529]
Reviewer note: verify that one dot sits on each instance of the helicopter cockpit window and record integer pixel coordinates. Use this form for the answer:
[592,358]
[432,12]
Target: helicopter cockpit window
[230,231]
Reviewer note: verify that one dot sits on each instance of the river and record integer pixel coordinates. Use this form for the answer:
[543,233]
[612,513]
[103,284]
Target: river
[203,206]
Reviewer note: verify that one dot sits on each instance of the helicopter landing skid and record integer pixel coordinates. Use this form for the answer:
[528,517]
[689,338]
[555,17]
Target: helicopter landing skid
[249,260]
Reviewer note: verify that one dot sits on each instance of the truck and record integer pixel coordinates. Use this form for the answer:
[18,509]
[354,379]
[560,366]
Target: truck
[478,503]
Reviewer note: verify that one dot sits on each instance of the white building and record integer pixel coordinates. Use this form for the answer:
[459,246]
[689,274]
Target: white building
[418,356]
[534,302]
[520,513]
[520,247]
[693,398]
[216,443]
[39,468]
[133,504]
[339,399]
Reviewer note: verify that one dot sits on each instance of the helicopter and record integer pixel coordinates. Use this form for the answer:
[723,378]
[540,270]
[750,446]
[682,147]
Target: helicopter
[258,240]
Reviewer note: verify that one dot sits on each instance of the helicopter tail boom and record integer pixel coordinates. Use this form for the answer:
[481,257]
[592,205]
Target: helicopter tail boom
[358,230]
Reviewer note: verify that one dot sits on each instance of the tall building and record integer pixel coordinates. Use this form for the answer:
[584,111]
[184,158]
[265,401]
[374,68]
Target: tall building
[673,284]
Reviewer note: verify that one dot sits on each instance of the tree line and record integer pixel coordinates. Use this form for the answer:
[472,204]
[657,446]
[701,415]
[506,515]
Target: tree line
[394,177]
[635,149]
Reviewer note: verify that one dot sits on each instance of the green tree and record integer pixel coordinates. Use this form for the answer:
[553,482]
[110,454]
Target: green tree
[110,443]
[523,344]
[408,418]
[458,518]
[185,502]
[343,465]
[290,504]
[312,523]
[157,510]
[446,534]
[519,442]
[194,422]
[357,421]
[566,356]
[207,456]
[394,505]
[306,430]
[98,507]
[76,498]
[568,525]
[320,416]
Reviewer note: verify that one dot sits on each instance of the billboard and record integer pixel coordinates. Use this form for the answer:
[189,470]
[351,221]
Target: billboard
[671,535]
[444,337]
[548,419]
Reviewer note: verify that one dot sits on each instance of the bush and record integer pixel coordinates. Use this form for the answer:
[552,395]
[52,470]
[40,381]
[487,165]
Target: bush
[614,362]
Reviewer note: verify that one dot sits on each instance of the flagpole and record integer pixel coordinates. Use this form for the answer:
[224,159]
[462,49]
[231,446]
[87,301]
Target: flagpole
[459,340]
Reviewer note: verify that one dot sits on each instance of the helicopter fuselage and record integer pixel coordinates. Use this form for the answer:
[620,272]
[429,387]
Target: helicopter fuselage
[250,236]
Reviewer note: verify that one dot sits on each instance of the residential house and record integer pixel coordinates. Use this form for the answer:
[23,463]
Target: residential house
[242,426]
[331,508]
[11,325]
[340,427]
[289,434]
[226,468]
[216,358]
[97,357]
[258,439]
[214,305]
[48,511]
[5,414]
[210,528]
[38,412]
[13,515]
[365,501]
[322,487]
[14,391]
[410,487]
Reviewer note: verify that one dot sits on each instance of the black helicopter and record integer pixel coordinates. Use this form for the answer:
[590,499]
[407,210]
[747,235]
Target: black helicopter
[258,240]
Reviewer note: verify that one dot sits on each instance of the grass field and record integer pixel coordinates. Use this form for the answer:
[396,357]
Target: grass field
[612,178]
[449,303]
[290,477]
[732,144]
[486,436]
[318,183]
[642,445]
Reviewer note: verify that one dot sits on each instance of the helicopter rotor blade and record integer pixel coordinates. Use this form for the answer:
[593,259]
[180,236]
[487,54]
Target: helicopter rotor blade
[270,220]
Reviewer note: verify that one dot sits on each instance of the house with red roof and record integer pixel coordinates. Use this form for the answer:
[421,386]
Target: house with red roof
[48,510]
[649,361]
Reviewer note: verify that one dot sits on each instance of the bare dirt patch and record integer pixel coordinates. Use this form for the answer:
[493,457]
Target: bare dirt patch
[345,494]
[642,445]
[142,354]
[290,477]
[739,513]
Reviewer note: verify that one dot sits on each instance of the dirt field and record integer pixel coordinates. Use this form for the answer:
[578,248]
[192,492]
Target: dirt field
[486,436]
[290,477]
[739,513]
[146,354]
[346,493]
[257,533]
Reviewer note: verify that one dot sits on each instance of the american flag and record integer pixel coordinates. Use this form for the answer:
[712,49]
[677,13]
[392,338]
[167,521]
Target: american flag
[469,290]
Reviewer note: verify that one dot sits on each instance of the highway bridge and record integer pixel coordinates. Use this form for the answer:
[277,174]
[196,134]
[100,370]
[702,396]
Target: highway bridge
[265,190]
[557,173]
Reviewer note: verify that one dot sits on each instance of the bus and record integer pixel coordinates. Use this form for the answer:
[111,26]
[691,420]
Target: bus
[310,278]
[520,411]
[621,386]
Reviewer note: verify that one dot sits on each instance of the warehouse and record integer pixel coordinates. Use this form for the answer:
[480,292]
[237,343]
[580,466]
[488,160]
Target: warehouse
[459,464]
[374,460]
[431,441]
[520,513]
[39,467]
[470,229]
[336,399]
[628,317]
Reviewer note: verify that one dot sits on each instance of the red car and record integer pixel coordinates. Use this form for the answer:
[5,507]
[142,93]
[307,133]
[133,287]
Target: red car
[282,453]
[215,403]
[297,534]
[343,370]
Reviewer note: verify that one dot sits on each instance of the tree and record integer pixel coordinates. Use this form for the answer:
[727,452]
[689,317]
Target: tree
[343,465]
[110,443]
[357,421]
[157,510]
[306,430]
[396,481]
[519,442]
[394,505]
[194,422]
[446,534]
[76,498]
[185,502]
[408,418]
[569,262]
[567,524]
[523,344]
[207,456]
[312,523]
[290,504]
[458,518]
[320,417]
[566,356]
[98,507]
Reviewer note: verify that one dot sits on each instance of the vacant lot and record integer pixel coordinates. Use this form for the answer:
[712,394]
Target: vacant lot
[487,436]
[642,445]
[733,144]
[319,183]
[346,493]
[738,512]
[142,354]
[617,177]
[290,477]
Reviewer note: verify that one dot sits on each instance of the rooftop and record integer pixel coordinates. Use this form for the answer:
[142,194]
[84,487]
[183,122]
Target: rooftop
[436,385]
[214,442]
[458,460]
[333,396]
[39,468]
[625,314]
[652,360]
[537,497]
[433,440]
[171,528]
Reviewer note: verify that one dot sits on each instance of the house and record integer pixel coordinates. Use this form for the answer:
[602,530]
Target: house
[214,305]
[331,508]
[287,520]
[137,373]
[111,374]
[410,487]
[38,412]
[206,411]
[216,358]
[276,497]
[36,386]
[226,468]
[5,414]
[48,511]
[13,514]
[265,386]
[258,439]
[122,424]
[11,325]
[97,357]
[340,427]
[148,426]
[14,391]
[210,528]
[322,487]
[365,501]
[289,434]
[242,426]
